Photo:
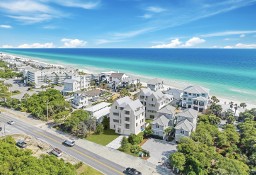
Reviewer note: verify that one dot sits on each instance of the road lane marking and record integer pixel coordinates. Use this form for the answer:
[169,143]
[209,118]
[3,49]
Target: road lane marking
[113,169]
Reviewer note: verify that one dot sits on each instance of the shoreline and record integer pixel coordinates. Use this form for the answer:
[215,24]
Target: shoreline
[169,83]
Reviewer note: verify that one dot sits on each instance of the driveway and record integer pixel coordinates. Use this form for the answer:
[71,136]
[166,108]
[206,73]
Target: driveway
[159,150]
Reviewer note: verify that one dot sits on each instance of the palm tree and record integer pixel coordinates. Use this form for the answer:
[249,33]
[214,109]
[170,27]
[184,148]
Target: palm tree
[215,99]
[243,105]
[231,104]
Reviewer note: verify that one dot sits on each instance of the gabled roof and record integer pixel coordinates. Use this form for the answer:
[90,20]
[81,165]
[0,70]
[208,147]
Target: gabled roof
[169,109]
[122,102]
[155,81]
[196,89]
[135,104]
[146,91]
[162,121]
[117,75]
[185,125]
[188,113]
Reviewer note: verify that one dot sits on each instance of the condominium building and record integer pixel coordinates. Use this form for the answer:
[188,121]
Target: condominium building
[127,116]
[153,101]
[195,97]
[76,83]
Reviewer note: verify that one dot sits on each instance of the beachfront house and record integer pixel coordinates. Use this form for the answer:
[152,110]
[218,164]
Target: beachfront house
[80,100]
[127,116]
[93,95]
[117,80]
[183,128]
[155,84]
[195,97]
[169,112]
[153,101]
[76,83]
[159,125]
[177,95]
[99,111]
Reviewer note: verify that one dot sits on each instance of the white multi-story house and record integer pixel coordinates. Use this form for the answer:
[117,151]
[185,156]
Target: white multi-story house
[76,83]
[169,112]
[153,101]
[159,125]
[186,123]
[195,97]
[80,100]
[184,128]
[155,84]
[117,79]
[177,95]
[127,116]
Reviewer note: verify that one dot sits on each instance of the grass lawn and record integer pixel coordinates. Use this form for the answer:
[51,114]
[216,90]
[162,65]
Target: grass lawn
[87,170]
[103,139]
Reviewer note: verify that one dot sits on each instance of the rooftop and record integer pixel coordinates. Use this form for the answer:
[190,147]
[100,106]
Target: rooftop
[155,81]
[188,113]
[98,107]
[162,120]
[185,125]
[196,89]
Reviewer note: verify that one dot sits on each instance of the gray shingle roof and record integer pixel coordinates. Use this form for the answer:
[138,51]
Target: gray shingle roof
[196,89]
[169,109]
[185,125]
[122,102]
[135,104]
[188,113]
[162,121]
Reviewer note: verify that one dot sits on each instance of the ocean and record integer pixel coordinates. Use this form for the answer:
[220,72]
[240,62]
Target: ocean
[228,73]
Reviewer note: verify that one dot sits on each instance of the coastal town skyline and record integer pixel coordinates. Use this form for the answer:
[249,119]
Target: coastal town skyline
[132,24]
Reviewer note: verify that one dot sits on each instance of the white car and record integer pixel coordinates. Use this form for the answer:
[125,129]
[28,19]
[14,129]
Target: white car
[10,122]
[57,152]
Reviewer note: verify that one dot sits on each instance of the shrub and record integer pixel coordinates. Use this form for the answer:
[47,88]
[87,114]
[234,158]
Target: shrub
[135,149]
[99,129]
[134,139]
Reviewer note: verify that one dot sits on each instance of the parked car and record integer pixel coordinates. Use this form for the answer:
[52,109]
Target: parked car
[11,122]
[131,171]
[57,152]
[70,143]
[21,144]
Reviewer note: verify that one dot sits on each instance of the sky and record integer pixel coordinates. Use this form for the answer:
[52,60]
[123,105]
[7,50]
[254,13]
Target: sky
[128,23]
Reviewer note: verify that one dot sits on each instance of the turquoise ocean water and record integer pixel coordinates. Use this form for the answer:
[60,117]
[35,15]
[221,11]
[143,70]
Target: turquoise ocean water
[229,73]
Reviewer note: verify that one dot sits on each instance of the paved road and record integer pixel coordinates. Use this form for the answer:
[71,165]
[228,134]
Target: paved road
[90,158]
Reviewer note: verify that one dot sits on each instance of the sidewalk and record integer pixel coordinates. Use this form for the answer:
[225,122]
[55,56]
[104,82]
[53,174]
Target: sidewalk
[116,156]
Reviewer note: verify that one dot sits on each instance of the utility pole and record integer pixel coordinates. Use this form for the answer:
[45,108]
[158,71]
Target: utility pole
[47,110]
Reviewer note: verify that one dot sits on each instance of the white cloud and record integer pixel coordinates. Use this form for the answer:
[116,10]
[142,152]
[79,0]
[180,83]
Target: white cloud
[176,43]
[37,45]
[5,26]
[173,44]
[242,46]
[242,35]
[7,46]
[73,43]
[106,41]
[193,41]
[226,33]
[155,9]
[146,16]
[78,3]
[32,19]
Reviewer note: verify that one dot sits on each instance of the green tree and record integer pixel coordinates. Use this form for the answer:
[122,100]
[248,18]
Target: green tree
[135,139]
[99,129]
[243,105]
[124,92]
[215,99]
[177,160]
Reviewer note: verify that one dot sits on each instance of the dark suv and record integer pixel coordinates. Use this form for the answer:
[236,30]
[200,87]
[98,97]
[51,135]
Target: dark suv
[131,171]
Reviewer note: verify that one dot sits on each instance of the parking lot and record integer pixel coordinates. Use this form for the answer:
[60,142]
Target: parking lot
[159,150]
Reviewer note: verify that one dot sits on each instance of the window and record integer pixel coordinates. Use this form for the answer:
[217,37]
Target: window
[136,124]
[115,113]
[142,120]
[116,107]
[182,131]
[127,126]
[116,121]
[184,98]
[152,117]
[189,93]
[127,112]
[127,119]
[136,117]
[152,99]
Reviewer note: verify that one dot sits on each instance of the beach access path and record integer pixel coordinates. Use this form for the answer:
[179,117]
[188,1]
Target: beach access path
[102,158]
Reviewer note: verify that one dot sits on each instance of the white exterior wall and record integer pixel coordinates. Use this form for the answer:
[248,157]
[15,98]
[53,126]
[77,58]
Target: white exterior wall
[159,130]
[79,101]
[179,133]
[118,121]
[189,101]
